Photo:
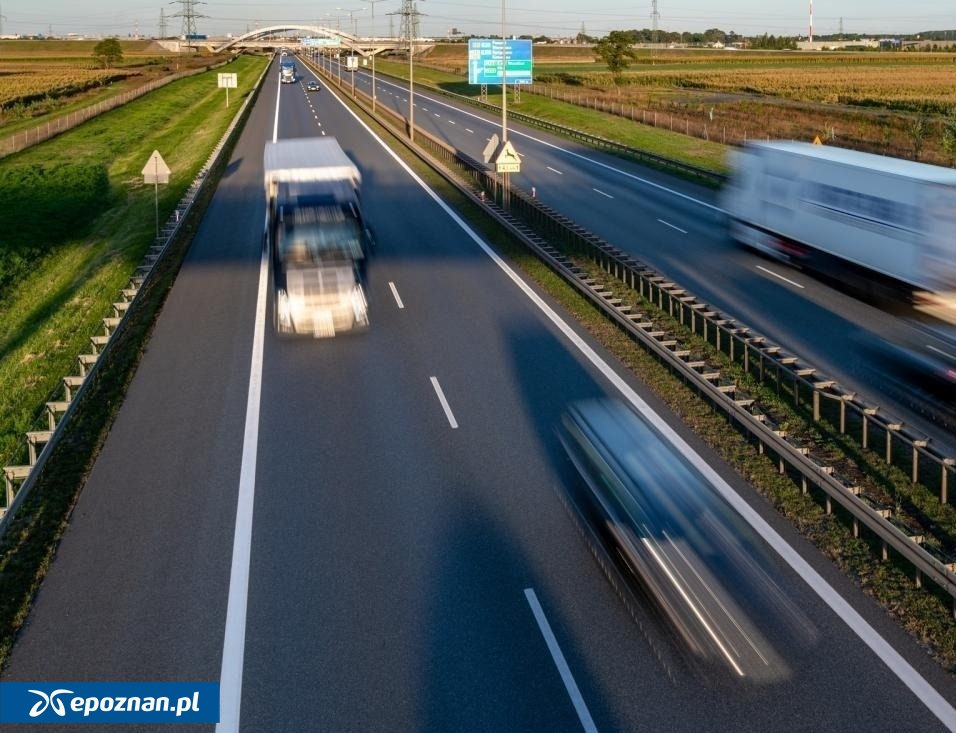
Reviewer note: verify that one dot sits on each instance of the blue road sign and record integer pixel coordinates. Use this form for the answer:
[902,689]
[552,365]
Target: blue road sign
[484,61]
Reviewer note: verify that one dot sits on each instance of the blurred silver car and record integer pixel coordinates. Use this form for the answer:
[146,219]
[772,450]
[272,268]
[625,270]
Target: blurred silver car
[312,86]
[706,569]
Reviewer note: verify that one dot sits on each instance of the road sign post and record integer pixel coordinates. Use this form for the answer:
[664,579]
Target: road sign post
[227,81]
[156,171]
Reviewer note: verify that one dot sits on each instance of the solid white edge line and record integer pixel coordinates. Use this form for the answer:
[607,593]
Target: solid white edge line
[580,707]
[398,300]
[444,403]
[234,640]
[780,277]
[275,121]
[923,690]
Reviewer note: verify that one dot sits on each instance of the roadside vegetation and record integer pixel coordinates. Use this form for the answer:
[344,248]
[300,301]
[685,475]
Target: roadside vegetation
[41,80]
[897,104]
[78,220]
[91,220]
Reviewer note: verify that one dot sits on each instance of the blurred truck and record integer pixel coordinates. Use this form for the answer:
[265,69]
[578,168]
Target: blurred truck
[318,240]
[884,226]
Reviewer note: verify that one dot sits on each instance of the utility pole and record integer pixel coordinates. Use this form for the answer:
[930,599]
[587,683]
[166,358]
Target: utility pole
[2,18]
[410,14]
[189,15]
[655,20]
[374,54]
[162,23]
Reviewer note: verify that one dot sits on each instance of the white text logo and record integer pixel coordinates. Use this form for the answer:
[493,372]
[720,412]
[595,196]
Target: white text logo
[48,701]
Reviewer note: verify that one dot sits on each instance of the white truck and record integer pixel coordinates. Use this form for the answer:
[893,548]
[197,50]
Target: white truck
[287,70]
[318,241]
[885,226]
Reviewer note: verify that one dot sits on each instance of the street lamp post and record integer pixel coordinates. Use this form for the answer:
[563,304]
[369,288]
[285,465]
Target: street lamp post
[411,87]
[372,3]
[505,177]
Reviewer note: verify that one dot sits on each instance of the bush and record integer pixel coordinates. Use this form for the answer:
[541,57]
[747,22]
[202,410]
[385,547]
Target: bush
[45,205]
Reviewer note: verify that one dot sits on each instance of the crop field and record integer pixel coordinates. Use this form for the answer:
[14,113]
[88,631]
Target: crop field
[40,78]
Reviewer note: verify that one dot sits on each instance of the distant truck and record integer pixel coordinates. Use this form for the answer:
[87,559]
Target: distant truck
[287,70]
[318,240]
[884,226]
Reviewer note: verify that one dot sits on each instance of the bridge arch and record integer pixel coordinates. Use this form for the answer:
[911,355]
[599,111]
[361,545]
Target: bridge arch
[346,39]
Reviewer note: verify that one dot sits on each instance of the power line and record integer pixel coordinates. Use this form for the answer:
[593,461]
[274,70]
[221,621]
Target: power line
[189,15]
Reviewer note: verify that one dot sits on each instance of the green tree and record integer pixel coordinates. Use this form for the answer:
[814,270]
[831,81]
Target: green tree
[616,52]
[108,52]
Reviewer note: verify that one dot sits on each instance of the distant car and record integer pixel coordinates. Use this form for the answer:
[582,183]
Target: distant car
[312,86]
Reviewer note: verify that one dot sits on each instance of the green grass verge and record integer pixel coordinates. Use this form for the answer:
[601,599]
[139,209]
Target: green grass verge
[79,219]
[29,545]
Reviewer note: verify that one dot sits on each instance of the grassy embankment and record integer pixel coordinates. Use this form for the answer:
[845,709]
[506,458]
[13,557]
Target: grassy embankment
[41,81]
[79,219]
[83,256]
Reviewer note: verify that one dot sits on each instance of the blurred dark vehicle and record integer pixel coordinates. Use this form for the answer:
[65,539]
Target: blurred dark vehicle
[690,552]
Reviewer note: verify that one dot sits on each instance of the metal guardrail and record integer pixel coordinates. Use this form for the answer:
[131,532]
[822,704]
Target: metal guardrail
[526,217]
[19,479]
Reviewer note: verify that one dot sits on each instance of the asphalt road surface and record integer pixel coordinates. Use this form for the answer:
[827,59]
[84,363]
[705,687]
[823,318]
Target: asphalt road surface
[404,559]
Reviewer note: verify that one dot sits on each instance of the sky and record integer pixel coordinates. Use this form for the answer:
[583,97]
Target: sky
[553,18]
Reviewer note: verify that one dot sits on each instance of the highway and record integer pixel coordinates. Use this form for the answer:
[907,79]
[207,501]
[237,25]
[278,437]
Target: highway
[403,560]
[678,229]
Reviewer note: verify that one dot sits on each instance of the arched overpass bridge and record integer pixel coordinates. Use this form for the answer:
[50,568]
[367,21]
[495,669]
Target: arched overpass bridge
[290,34]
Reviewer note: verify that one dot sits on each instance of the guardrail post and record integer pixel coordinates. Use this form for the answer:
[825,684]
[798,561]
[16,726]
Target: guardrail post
[890,429]
[866,425]
[917,444]
[944,480]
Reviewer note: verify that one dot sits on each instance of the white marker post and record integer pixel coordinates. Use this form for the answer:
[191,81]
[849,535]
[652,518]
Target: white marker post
[156,171]
[228,81]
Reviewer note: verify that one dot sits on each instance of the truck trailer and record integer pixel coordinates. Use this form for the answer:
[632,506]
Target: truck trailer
[884,226]
[318,241]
